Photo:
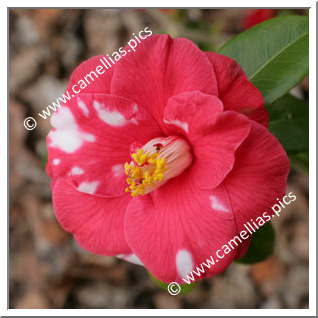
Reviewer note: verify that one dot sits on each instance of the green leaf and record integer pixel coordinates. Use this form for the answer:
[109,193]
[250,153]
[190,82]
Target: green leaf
[44,158]
[289,122]
[292,134]
[288,107]
[274,54]
[301,159]
[261,247]
[185,288]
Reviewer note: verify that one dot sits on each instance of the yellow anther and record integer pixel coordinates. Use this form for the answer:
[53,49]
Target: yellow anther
[136,173]
[144,172]
[160,163]
[135,157]
[127,168]
[135,193]
[143,158]
[147,178]
[133,185]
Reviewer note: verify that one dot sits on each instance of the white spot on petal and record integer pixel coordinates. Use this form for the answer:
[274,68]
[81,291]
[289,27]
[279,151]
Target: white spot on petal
[178,123]
[76,171]
[88,187]
[132,258]
[112,117]
[56,161]
[184,263]
[118,170]
[67,136]
[83,107]
[217,205]
[62,119]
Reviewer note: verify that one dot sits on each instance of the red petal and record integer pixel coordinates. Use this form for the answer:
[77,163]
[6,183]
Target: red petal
[95,82]
[178,226]
[259,176]
[91,141]
[213,134]
[235,90]
[160,68]
[96,222]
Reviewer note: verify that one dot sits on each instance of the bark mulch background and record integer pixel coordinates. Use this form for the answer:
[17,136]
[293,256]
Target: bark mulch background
[47,268]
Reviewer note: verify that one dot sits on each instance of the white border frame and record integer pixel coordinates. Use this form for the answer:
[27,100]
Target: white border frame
[312,166]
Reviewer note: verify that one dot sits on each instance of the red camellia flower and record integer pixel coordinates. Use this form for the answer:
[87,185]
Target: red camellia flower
[255,16]
[163,159]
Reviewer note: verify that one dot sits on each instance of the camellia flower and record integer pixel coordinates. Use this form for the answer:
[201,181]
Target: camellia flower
[256,16]
[163,159]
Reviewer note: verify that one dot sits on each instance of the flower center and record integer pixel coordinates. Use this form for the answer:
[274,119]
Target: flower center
[155,163]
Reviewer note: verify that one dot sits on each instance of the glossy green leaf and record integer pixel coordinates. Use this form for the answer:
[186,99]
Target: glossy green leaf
[288,107]
[289,122]
[185,288]
[274,54]
[292,134]
[261,247]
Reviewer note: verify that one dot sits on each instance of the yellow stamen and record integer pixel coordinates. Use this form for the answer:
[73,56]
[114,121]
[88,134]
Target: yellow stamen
[159,160]
[146,170]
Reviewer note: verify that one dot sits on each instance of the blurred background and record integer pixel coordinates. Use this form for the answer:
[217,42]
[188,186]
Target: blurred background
[47,268]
